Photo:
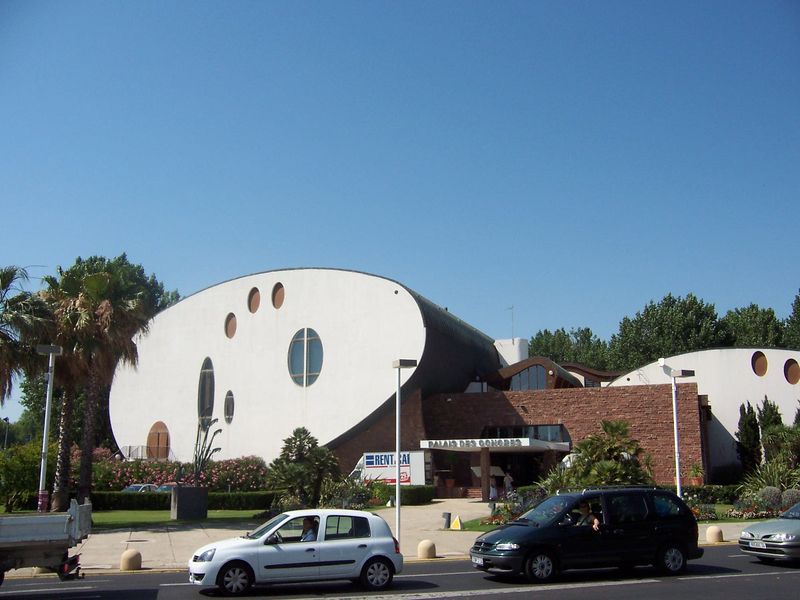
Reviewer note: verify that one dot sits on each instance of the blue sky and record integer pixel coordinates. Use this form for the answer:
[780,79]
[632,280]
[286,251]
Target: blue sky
[573,159]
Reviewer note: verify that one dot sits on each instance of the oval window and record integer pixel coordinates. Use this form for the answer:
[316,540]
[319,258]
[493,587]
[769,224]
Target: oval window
[253,300]
[305,357]
[759,363]
[229,407]
[791,370]
[277,295]
[205,393]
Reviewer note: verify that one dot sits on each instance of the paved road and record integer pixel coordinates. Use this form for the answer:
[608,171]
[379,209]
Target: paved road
[723,573]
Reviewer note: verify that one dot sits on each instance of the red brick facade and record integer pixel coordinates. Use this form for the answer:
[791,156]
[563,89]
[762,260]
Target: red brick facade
[647,408]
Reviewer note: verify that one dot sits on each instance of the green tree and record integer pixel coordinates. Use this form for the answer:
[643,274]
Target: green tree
[301,468]
[23,317]
[19,472]
[748,439]
[673,326]
[99,305]
[610,457]
[579,346]
[791,326]
[753,326]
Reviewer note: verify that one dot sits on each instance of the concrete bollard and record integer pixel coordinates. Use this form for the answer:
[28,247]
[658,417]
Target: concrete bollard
[131,560]
[714,535]
[426,549]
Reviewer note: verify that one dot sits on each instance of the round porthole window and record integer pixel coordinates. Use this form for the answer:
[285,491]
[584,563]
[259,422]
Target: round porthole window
[278,294]
[205,393]
[253,300]
[305,357]
[759,363]
[230,325]
[791,370]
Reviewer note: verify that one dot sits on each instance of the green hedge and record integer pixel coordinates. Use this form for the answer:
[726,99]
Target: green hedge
[162,501]
[417,494]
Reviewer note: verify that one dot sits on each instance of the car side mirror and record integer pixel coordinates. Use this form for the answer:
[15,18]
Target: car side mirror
[273,539]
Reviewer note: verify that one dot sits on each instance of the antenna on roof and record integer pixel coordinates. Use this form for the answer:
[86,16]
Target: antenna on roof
[511,308]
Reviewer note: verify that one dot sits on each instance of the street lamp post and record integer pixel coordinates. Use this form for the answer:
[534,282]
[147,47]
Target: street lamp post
[399,364]
[674,374]
[5,442]
[52,352]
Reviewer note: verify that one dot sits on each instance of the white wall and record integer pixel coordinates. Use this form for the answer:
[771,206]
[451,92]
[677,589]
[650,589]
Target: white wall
[365,322]
[512,351]
[726,376]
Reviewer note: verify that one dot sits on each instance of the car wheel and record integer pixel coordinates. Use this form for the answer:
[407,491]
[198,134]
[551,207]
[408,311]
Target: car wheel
[235,578]
[377,574]
[540,567]
[671,559]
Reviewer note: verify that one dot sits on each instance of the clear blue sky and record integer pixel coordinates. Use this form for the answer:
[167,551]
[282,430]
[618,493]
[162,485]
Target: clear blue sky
[573,159]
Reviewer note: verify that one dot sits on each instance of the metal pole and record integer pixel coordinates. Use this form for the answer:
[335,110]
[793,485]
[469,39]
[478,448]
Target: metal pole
[43,500]
[677,439]
[397,459]
[5,442]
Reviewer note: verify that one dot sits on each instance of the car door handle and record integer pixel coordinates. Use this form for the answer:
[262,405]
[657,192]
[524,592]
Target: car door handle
[362,545]
[311,550]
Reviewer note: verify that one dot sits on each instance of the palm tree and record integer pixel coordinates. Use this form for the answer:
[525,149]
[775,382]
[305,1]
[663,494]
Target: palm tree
[98,310]
[23,317]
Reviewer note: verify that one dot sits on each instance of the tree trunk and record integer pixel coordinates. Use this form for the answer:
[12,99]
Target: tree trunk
[60,501]
[89,432]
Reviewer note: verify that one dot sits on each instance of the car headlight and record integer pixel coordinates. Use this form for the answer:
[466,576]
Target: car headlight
[747,535]
[507,546]
[205,556]
[783,537]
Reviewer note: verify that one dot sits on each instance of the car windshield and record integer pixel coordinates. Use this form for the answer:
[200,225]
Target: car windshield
[792,513]
[546,511]
[257,533]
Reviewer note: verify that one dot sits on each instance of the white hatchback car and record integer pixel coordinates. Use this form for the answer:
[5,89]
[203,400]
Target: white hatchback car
[347,544]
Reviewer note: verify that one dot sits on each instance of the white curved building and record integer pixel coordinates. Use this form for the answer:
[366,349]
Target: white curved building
[270,352]
[727,378]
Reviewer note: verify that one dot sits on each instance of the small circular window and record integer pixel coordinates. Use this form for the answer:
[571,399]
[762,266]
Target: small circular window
[305,357]
[229,407]
[253,300]
[205,393]
[277,295]
[791,370]
[230,325]
[759,363]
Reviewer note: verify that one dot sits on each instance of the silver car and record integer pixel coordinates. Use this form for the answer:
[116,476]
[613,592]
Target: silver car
[302,545]
[774,539]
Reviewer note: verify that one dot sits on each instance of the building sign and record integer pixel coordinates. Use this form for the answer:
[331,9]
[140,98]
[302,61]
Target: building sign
[380,466]
[475,443]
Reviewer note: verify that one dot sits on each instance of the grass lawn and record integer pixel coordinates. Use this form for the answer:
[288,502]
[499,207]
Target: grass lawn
[114,519]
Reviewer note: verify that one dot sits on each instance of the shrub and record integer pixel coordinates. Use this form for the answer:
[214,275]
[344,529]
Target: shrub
[790,497]
[412,495]
[345,493]
[770,497]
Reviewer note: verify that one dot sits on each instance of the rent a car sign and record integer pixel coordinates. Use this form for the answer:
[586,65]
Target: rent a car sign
[381,466]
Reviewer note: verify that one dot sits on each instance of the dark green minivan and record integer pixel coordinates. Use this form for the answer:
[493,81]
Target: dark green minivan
[632,526]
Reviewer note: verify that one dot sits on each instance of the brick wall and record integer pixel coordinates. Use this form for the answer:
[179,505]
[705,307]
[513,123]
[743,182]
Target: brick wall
[379,436]
[647,408]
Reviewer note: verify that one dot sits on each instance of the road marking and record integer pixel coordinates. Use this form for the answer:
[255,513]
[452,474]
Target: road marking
[58,590]
[473,572]
[732,575]
[528,589]
[173,584]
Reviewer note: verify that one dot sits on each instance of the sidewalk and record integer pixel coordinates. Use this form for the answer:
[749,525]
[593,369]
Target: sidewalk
[171,546]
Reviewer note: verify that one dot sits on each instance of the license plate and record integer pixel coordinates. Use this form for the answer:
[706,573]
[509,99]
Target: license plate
[758,545]
[477,561]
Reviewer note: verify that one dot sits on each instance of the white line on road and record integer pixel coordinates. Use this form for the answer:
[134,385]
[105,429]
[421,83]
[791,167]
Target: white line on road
[493,592]
[473,572]
[174,584]
[732,575]
[58,590]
